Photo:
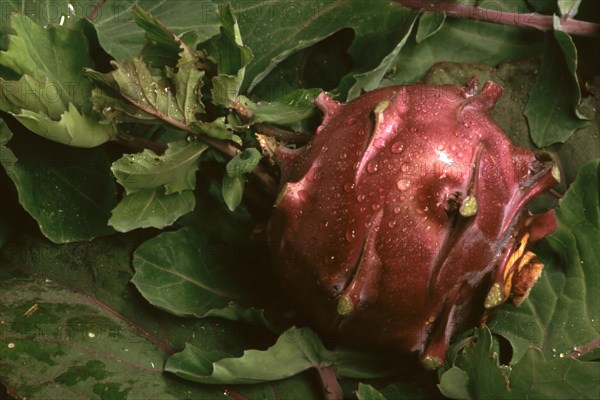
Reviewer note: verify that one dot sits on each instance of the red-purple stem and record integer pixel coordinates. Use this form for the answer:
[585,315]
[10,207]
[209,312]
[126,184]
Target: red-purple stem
[527,20]
[331,386]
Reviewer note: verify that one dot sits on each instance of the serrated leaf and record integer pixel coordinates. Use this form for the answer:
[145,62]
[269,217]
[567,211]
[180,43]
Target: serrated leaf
[368,392]
[532,377]
[151,208]
[186,274]
[69,192]
[562,313]
[231,56]
[371,80]
[43,12]
[175,169]
[480,362]
[287,110]
[52,97]
[551,110]
[429,25]
[296,350]
[163,43]
[175,101]
[123,39]
[233,190]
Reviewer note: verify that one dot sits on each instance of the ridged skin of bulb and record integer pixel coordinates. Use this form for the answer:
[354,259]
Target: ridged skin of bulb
[405,218]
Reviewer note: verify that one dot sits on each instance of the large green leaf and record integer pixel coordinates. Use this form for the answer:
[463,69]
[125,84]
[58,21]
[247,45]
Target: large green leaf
[101,270]
[296,350]
[274,30]
[72,346]
[476,374]
[370,80]
[186,274]
[462,41]
[69,192]
[120,36]
[52,97]
[562,313]
[552,106]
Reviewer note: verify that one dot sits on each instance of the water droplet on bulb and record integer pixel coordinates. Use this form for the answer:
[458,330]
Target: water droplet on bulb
[372,167]
[397,148]
[360,197]
[350,235]
[375,206]
[349,187]
[403,184]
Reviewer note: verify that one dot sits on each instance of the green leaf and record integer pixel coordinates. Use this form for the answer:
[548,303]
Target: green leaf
[231,56]
[69,192]
[120,36]
[371,80]
[186,274]
[151,208]
[477,375]
[485,377]
[175,100]
[277,29]
[175,169]
[98,272]
[52,97]
[461,41]
[535,377]
[244,162]
[562,314]
[44,12]
[164,44]
[296,350]
[233,190]
[287,110]
[454,384]
[568,8]
[72,346]
[429,25]
[552,106]
[582,147]
[368,392]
